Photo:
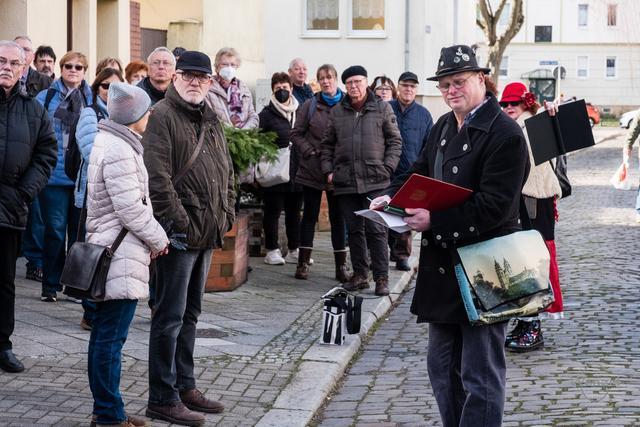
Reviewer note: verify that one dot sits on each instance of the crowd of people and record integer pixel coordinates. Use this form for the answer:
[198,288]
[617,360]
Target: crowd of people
[155,168]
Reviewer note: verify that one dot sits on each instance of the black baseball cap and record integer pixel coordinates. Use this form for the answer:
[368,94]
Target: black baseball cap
[192,60]
[408,76]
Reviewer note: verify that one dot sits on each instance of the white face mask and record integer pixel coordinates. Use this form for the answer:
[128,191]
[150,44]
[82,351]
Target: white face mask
[227,73]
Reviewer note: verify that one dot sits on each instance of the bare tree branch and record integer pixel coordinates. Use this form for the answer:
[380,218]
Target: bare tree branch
[488,23]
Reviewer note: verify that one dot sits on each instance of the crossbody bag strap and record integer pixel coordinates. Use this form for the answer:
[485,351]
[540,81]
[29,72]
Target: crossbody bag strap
[437,166]
[119,239]
[194,155]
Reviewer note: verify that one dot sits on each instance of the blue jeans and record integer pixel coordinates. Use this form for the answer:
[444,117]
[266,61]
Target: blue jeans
[468,374]
[33,237]
[180,279]
[60,218]
[638,201]
[108,335]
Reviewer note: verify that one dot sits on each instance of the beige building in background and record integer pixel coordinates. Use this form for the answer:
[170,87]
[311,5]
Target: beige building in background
[97,28]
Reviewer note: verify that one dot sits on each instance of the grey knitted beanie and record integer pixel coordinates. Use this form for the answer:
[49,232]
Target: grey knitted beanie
[126,103]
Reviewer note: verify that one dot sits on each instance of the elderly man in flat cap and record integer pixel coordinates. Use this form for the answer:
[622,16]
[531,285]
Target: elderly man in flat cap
[478,147]
[360,150]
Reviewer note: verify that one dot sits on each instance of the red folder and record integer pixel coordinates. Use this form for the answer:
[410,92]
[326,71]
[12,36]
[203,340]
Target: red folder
[423,192]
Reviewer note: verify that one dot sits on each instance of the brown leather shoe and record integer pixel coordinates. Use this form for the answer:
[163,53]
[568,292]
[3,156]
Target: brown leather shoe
[176,413]
[196,401]
[382,286]
[357,281]
[133,420]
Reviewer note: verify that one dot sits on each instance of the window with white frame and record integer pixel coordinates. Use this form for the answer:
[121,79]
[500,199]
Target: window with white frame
[504,67]
[367,17]
[612,15]
[612,70]
[322,16]
[582,67]
[583,15]
[505,15]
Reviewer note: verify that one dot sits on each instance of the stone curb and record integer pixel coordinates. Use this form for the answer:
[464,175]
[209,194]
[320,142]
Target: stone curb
[322,366]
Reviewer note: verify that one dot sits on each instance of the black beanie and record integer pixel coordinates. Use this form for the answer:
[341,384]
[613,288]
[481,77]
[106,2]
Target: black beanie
[354,70]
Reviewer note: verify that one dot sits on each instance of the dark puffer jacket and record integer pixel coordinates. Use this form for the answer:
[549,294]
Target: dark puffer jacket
[202,203]
[272,121]
[306,137]
[36,82]
[28,151]
[361,148]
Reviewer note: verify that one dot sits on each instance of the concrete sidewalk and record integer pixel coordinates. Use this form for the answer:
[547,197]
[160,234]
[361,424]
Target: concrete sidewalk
[257,350]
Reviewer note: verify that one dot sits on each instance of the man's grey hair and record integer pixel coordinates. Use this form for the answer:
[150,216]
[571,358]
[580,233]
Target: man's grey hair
[161,49]
[9,43]
[294,61]
[27,38]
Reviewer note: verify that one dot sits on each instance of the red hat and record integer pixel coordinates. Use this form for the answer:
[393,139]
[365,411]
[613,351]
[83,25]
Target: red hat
[517,91]
[513,92]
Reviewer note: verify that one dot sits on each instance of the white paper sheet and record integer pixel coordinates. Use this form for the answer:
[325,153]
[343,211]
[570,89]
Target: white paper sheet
[391,221]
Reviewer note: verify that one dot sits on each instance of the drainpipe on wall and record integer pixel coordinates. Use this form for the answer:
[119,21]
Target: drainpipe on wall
[406,35]
[455,21]
[69,25]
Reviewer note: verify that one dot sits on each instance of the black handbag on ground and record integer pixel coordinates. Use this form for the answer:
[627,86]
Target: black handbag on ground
[87,264]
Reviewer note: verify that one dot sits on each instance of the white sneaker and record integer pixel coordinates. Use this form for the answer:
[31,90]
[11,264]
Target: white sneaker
[274,257]
[292,257]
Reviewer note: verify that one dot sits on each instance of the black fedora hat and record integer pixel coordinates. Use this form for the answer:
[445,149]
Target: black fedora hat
[457,59]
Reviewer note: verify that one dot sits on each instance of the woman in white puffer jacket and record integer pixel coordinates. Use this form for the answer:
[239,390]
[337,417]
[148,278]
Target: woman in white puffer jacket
[117,197]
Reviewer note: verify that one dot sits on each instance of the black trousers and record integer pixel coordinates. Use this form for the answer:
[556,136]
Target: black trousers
[274,203]
[467,369]
[312,200]
[364,234]
[10,241]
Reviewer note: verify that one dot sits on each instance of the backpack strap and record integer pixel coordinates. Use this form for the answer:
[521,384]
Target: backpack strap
[51,92]
[313,106]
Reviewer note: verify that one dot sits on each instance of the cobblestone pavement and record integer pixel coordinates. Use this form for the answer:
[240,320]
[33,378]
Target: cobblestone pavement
[248,347]
[588,371]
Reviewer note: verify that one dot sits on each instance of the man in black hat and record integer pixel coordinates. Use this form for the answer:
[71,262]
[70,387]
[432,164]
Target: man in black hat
[360,150]
[478,147]
[414,122]
[184,144]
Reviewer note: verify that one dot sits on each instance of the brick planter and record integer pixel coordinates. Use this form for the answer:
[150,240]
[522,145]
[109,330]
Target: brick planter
[229,264]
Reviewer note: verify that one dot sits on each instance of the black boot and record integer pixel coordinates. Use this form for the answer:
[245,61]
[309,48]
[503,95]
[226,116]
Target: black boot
[530,338]
[302,270]
[516,331]
[342,269]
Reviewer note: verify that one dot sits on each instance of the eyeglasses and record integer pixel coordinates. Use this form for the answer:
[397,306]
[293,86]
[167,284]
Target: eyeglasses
[189,77]
[457,84]
[78,67]
[510,103]
[105,86]
[384,89]
[354,82]
[13,64]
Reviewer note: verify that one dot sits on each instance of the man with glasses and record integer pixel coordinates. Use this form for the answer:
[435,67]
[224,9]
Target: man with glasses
[191,187]
[28,147]
[360,150]
[31,80]
[479,147]
[162,67]
[414,122]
